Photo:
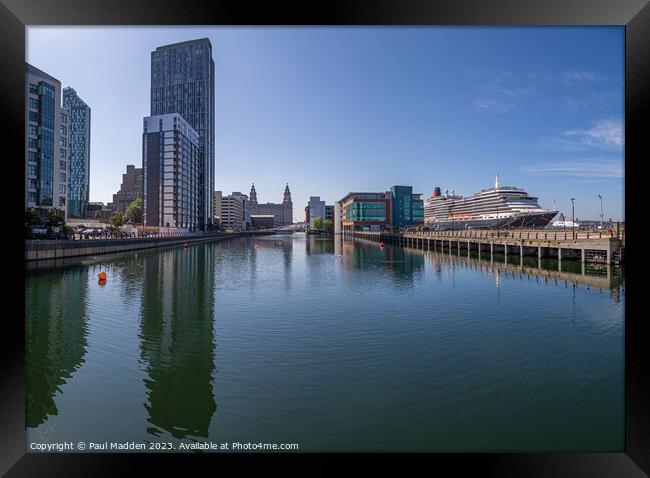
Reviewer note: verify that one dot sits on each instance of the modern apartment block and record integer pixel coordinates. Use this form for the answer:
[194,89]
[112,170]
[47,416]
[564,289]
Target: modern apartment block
[233,212]
[217,205]
[316,209]
[171,166]
[182,81]
[130,189]
[46,149]
[78,152]
[247,210]
[398,207]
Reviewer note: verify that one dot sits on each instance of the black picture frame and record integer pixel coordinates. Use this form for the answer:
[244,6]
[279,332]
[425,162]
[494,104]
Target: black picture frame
[633,14]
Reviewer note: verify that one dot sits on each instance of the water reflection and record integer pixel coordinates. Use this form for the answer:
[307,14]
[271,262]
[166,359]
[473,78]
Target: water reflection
[55,337]
[404,266]
[177,340]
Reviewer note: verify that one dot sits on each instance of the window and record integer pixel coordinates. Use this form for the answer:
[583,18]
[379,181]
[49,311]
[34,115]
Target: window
[62,188]
[31,196]
[31,170]
[33,130]
[31,156]
[62,165]
[32,143]
[31,183]
[63,130]
[64,118]
[33,116]
[33,103]
[63,153]
[63,142]
[62,177]
[33,89]
[61,201]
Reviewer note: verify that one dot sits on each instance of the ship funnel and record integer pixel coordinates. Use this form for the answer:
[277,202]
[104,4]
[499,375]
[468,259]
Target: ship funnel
[497,182]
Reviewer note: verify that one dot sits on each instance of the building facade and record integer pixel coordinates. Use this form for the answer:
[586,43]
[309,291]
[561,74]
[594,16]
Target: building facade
[282,213]
[407,208]
[233,212]
[397,208]
[130,189]
[247,210]
[217,205]
[182,81]
[46,151]
[78,153]
[329,213]
[261,221]
[316,209]
[171,167]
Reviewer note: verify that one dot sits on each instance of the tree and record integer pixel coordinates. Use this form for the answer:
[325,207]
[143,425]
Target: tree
[55,217]
[32,218]
[115,223]
[317,223]
[134,211]
[321,224]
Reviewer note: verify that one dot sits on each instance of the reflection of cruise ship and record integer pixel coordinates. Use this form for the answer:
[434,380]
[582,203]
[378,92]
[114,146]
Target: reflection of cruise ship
[497,207]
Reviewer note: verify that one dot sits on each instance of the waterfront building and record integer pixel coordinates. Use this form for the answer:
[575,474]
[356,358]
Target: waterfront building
[282,213]
[365,211]
[398,207]
[217,205]
[78,152]
[262,221]
[46,148]
[182,81]
[407,209]
[130,189]
[329,213]
[316,209]
[233,212]
[247,210]
[171,167]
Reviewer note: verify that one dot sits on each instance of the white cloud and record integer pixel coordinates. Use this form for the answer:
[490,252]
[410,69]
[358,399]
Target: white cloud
[604,133]
[490,104]
[587,168]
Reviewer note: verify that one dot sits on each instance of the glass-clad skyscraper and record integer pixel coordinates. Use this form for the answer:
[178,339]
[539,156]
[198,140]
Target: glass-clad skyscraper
[46,137]
[182,81]
[78,152]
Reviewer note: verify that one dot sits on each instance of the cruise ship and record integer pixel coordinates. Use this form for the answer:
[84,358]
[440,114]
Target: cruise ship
[497,208]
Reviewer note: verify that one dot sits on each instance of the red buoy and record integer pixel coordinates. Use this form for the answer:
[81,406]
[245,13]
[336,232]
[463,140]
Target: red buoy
[101,276]
[381,244]
[185,246]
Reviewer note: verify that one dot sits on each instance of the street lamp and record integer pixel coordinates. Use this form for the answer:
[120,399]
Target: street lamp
[601,210]
[573,220]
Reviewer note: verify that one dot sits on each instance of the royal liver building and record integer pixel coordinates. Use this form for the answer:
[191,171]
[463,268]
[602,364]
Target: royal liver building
[283,213]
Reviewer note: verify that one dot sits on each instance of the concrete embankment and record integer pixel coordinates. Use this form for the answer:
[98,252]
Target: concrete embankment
[49,249]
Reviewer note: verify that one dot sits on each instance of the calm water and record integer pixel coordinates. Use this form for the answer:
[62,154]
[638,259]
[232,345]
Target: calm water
[332,345]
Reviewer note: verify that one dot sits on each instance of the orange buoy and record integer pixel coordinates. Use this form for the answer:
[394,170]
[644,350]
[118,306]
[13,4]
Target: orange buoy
[102,276]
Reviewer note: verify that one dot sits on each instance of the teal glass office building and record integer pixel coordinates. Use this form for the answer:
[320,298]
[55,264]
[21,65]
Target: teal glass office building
[78,153]
[407,208]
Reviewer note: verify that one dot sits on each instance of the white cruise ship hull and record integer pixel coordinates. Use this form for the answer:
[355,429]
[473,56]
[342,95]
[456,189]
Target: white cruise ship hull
[528,220]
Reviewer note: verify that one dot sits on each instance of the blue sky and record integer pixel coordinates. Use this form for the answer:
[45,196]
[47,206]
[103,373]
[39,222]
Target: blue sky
[333,110]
